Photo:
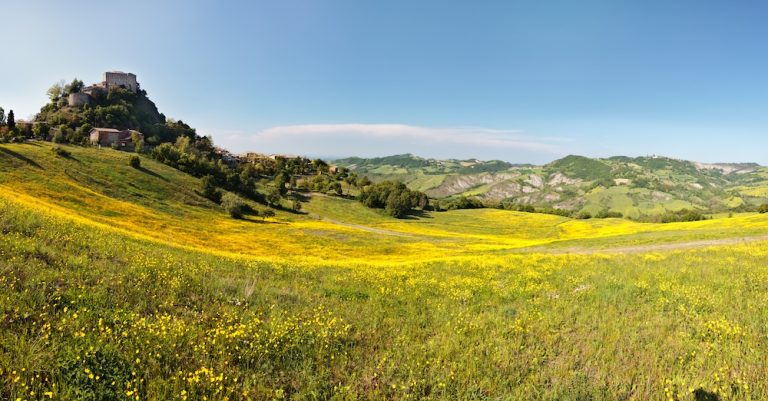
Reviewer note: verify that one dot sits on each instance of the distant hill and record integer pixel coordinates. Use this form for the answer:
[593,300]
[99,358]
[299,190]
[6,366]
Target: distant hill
[633,186]
[433,166]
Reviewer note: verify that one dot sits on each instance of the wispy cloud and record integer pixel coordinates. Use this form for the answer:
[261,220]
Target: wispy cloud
[383,139]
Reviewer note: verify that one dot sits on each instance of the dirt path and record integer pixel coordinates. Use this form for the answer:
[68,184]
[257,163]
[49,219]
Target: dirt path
[651,247]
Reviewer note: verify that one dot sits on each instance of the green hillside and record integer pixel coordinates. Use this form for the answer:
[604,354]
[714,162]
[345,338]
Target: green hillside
[640,187]
[123,283]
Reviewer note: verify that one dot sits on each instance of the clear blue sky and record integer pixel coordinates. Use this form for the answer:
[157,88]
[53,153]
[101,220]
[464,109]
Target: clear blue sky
[519,81]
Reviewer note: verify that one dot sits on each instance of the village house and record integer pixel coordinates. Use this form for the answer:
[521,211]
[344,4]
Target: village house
[110,136]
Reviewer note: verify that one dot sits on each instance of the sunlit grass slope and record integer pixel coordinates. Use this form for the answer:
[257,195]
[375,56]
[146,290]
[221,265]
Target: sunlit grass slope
[88,313]
[124,284]
[97,187]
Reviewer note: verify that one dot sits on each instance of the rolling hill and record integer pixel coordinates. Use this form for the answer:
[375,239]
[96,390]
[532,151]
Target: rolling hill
[637,187]
[118,283]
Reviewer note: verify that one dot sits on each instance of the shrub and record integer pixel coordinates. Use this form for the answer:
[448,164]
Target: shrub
[682,215]
[763,208]
[267,213]
[59,151]
[234,205]
[134,161]
[609,214]
[584,216]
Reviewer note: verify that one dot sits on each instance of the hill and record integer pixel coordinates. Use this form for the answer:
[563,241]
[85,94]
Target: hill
[113,107]
[639,187]
[123,283]
[163,204]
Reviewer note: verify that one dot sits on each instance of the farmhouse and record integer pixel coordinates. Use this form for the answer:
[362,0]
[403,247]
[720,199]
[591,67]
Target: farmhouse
[110,136]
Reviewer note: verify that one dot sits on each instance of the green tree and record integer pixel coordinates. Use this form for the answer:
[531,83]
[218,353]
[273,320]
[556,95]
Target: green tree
[2,116]
[138,142]
[11,123]
[56,91]
[234,205]
[40,130]
[74,87]
[274,197]
[296,205]
[209,189]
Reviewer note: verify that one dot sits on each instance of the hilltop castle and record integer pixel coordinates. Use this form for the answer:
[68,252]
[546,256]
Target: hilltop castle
[112,79]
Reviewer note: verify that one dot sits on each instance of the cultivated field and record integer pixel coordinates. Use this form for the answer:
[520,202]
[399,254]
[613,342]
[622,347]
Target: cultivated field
[118,283]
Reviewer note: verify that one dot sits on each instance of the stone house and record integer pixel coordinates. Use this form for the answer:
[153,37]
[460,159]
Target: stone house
[110,136]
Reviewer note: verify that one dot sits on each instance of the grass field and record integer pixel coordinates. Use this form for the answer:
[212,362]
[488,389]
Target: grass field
[125,284]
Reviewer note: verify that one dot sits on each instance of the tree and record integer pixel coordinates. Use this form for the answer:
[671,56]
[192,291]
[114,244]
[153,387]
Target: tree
[74,87]
[273,197]
[280,181]
[336,188]
[2,116]
[56,91]
[296,206]
[40,130]
[11,121]
[233,204]
[138,143]
[209,189]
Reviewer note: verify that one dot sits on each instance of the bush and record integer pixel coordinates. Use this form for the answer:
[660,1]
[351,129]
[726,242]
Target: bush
[609,214]
[134,161]
[763,208]
[267,213]
[59,151]
[464,203]
[234,205]
[682,215]
[584,216]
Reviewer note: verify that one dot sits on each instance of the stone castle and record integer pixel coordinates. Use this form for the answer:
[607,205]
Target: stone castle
[112,79]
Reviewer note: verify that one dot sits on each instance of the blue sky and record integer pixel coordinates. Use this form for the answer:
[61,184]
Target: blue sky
[518,81]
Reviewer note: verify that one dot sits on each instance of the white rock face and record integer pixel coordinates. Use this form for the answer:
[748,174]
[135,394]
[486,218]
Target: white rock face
[725,168]
[560,179]
[622,181]
[535,181]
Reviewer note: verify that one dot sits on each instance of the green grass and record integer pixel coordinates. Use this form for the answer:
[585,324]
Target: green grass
[118,284]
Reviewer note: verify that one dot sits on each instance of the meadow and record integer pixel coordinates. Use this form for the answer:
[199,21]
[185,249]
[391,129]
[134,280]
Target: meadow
[125,284]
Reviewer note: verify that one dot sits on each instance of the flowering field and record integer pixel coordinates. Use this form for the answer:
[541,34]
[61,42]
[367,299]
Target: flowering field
[135,288]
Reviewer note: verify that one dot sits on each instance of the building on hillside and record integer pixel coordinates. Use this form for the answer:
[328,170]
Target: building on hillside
[112,80]
[226,156]
[111,136]
[78,99]
[119,79]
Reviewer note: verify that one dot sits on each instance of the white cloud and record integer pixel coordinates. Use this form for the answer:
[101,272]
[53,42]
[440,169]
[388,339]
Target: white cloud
[385,139]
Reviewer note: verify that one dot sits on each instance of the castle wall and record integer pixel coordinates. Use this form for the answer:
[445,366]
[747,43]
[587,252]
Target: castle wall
[118,79]
[78,99]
